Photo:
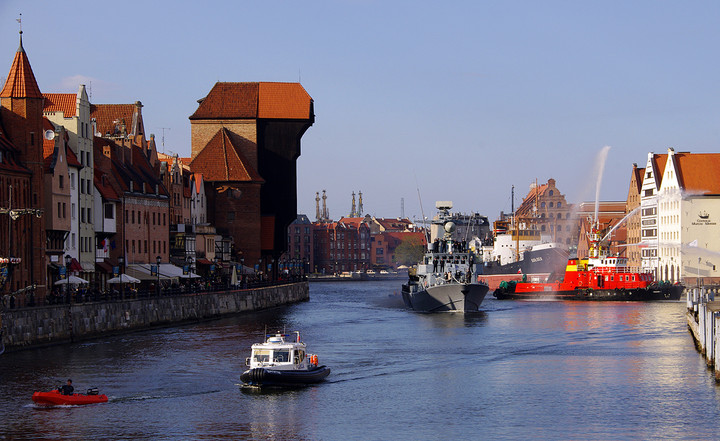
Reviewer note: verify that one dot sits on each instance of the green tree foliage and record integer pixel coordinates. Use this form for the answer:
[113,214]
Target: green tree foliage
[409,252]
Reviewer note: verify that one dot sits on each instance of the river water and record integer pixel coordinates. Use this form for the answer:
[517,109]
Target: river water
[516,370]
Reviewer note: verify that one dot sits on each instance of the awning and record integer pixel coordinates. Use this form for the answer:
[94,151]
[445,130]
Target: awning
[104,267]
[75,266]
[203,261]
[124,278]
[142,275]
[167,271]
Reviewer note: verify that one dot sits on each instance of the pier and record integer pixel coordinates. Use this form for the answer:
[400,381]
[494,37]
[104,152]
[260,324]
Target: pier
[703,317]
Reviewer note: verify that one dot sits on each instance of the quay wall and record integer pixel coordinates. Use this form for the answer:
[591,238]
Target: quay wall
[703,317]
[47,325]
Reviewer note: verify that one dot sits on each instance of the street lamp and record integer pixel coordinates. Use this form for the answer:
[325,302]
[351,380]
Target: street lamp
[158,259]
[242,272]
[121,262]
[68,259]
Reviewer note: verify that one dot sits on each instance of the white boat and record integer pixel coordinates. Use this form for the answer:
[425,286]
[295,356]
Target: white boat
[282,361]
[446,279]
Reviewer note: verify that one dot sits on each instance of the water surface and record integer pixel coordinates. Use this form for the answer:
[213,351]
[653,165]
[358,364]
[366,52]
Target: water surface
[516,370]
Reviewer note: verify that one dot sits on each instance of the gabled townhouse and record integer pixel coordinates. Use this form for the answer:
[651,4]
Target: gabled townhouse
[649,213]
[632,223]
[107,209]
[72,112]
[300,256]
[56,216]
[545,209]
[22,248]
[176,178]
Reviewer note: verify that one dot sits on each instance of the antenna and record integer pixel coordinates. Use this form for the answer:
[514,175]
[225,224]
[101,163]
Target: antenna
[89,91]
[19,20]
[402,208]
[163,137]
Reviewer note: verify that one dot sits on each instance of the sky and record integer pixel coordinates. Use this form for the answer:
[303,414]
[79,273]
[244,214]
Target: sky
[415,101]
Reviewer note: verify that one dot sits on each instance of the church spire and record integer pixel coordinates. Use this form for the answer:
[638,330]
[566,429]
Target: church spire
[21,81]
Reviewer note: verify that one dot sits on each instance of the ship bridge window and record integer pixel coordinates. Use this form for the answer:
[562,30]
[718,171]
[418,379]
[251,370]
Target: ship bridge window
[281,356]
[262,355]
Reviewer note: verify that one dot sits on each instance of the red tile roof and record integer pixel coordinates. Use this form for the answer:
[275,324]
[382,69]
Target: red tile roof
[222,160]
[110,116]
[72,158]
[21,81]
[48,144]
[60,102]
[698,172]
[255,100]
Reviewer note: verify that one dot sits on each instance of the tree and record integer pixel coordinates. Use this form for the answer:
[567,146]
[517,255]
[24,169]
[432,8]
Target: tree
[409,252]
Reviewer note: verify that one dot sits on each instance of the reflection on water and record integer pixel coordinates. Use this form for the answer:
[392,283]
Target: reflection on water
[539,370]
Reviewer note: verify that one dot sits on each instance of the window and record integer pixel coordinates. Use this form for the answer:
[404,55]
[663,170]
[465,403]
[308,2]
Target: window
[62,181]
[109,212]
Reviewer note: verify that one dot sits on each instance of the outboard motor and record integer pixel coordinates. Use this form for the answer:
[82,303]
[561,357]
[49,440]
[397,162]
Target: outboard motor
[93,391]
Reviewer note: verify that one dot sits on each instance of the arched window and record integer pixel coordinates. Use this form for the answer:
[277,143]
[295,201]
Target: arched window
[542,228]
[550,192]
[542,205]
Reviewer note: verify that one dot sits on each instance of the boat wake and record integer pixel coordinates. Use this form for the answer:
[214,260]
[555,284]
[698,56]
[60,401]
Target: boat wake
[115,399]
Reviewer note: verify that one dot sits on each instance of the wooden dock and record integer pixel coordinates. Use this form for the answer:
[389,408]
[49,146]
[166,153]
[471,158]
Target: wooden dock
[703,317]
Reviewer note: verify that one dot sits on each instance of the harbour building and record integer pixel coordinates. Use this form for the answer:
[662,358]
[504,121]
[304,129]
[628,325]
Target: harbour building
[680,207]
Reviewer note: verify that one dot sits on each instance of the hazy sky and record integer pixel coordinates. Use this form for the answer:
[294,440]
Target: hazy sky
[454,100]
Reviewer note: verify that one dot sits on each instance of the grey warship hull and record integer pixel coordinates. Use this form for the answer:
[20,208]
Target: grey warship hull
[459,297]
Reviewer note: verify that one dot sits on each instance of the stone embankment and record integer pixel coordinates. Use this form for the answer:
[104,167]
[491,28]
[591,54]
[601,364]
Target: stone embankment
[703,317]
[54,324]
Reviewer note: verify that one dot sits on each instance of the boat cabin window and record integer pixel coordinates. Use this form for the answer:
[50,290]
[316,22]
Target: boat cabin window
[633,277]
[281,355]
[262,355]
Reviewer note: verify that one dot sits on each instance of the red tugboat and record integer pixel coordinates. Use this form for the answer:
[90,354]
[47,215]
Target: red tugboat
[599,277]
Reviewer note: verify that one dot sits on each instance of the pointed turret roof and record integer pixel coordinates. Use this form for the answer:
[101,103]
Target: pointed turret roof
[21,80]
